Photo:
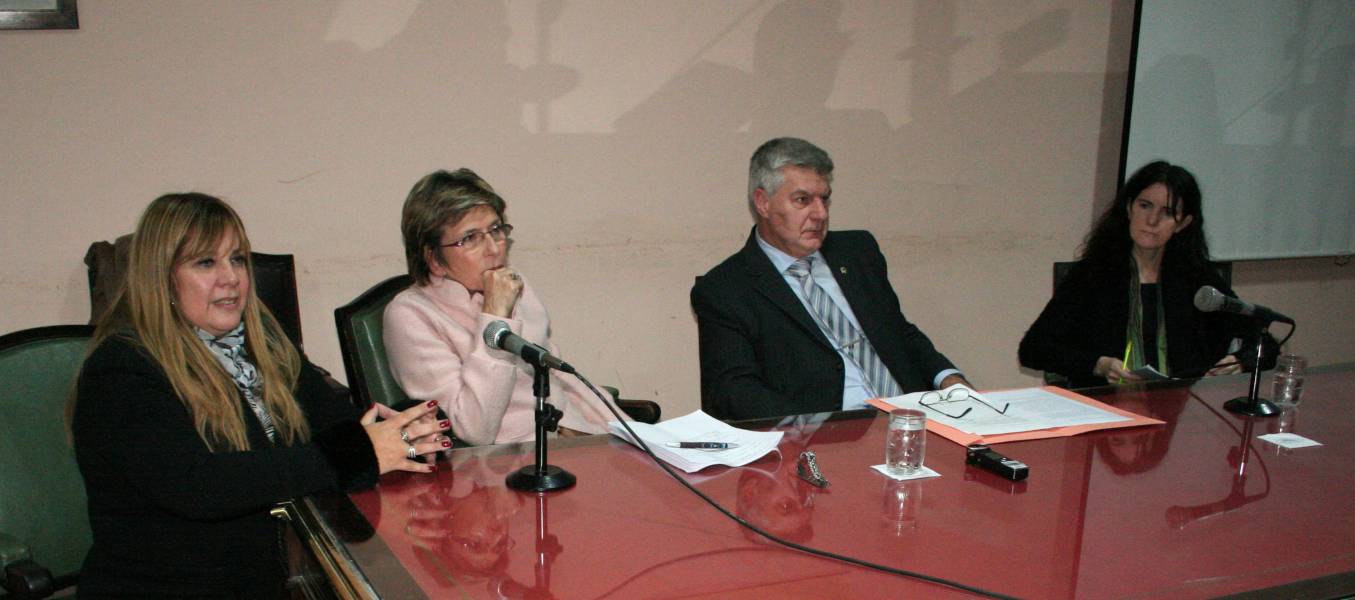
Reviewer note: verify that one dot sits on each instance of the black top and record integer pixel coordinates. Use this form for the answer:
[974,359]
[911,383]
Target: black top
[1148,300]
[1087,316]
[762,354]
[172,519]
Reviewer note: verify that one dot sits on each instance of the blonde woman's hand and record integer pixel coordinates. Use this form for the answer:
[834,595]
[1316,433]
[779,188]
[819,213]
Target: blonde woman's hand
[420,428]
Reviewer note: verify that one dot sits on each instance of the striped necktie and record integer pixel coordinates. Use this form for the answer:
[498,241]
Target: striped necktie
[852,342]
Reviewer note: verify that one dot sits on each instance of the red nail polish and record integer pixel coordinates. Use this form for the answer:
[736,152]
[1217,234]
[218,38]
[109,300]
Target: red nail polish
[432,468]
[432,404]
[445,424]
[446,444]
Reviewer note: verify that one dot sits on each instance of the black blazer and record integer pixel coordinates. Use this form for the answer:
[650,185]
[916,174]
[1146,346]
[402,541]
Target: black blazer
[172,519]
[763,355]
[1087,316]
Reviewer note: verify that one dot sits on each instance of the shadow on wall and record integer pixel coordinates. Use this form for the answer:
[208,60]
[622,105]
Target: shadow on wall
[625,217]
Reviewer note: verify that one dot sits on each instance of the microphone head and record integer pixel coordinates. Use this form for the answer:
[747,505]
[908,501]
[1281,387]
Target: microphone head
[1209,299]
[494,333]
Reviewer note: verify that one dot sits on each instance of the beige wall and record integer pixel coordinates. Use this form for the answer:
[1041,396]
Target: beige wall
[971,137]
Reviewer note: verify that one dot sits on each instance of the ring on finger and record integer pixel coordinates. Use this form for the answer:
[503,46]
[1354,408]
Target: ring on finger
[411,452]
[404,436]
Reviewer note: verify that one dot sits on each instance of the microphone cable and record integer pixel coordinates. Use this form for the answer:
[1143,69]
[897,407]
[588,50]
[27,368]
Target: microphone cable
[758,530]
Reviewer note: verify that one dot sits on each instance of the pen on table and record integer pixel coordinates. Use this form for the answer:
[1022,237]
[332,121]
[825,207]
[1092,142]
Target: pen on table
[702,445]
[1124,363]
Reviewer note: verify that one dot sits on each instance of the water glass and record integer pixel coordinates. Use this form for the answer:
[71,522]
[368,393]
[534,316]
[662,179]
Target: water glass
[906,441]
[1287,382]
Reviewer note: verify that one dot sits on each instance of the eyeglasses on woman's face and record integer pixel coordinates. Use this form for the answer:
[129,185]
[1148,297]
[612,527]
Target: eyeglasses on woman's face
[475,240]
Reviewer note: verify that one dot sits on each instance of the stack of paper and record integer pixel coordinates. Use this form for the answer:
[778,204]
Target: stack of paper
[1025,410]
[700,427]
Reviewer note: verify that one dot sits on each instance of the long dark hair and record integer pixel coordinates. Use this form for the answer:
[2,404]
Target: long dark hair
[1108,245]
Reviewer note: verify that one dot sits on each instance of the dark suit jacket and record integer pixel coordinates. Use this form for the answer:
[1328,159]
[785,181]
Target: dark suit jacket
[763,355]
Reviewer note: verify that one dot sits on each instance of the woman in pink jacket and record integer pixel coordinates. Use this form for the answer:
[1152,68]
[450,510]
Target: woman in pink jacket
[456,244]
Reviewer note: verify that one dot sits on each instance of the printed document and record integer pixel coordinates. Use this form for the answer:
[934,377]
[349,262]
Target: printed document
[1027,409]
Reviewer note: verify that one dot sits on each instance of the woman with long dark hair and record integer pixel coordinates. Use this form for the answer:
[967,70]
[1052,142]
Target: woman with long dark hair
[1128,301]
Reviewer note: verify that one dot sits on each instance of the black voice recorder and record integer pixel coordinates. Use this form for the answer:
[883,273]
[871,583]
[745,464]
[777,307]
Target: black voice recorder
[983,457]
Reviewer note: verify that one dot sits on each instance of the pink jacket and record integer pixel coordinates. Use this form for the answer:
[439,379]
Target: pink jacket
[435,344]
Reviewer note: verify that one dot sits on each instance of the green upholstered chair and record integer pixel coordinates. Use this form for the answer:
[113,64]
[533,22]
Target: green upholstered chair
[44,523]
[364,354]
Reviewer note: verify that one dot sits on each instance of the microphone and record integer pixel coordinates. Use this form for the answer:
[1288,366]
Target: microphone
[499,335]
[1209,299]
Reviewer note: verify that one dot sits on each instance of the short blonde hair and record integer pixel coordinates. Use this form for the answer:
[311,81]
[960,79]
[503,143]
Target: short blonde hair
[440,198]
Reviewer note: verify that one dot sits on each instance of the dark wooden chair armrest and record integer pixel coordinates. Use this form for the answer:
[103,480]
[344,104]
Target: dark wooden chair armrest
[644,411]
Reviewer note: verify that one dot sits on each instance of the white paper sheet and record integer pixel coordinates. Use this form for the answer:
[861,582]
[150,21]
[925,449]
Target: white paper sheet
[700,427]
[1288,440]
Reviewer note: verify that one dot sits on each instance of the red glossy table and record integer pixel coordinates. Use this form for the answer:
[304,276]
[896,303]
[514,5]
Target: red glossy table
[1196,508]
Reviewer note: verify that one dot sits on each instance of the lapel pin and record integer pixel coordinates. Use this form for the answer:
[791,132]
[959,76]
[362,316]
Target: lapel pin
[842,270]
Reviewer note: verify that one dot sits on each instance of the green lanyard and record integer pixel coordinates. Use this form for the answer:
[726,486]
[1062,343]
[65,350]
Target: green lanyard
[1133,348]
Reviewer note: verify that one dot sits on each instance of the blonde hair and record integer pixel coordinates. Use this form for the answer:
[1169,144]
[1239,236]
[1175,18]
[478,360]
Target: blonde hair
[175,229]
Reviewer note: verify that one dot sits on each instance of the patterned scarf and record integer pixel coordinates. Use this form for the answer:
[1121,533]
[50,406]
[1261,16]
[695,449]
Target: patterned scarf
[229,350]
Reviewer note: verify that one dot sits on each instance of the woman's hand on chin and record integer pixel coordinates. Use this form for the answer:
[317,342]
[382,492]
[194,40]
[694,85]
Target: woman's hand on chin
[503,287]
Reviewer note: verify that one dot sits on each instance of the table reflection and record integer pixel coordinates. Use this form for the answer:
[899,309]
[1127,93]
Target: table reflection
[776,501]
[1199,490]
[901,502]
[1141,449]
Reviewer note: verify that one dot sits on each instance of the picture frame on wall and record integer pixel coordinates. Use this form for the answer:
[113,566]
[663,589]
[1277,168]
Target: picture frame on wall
[39,14]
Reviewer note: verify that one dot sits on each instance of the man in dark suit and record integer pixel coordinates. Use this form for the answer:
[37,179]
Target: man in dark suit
[802,320]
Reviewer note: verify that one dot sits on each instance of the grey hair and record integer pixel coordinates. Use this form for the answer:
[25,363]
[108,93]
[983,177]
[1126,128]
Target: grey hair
[764,169]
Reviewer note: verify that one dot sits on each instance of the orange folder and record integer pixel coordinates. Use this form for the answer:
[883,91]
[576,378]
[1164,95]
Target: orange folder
[965,439]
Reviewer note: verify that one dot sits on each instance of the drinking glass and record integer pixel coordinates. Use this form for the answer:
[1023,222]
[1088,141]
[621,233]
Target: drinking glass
[1287,382]
[906,441]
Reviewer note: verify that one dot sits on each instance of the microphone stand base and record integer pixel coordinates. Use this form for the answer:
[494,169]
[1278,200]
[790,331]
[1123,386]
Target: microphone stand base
[548,479]
[1244,406]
